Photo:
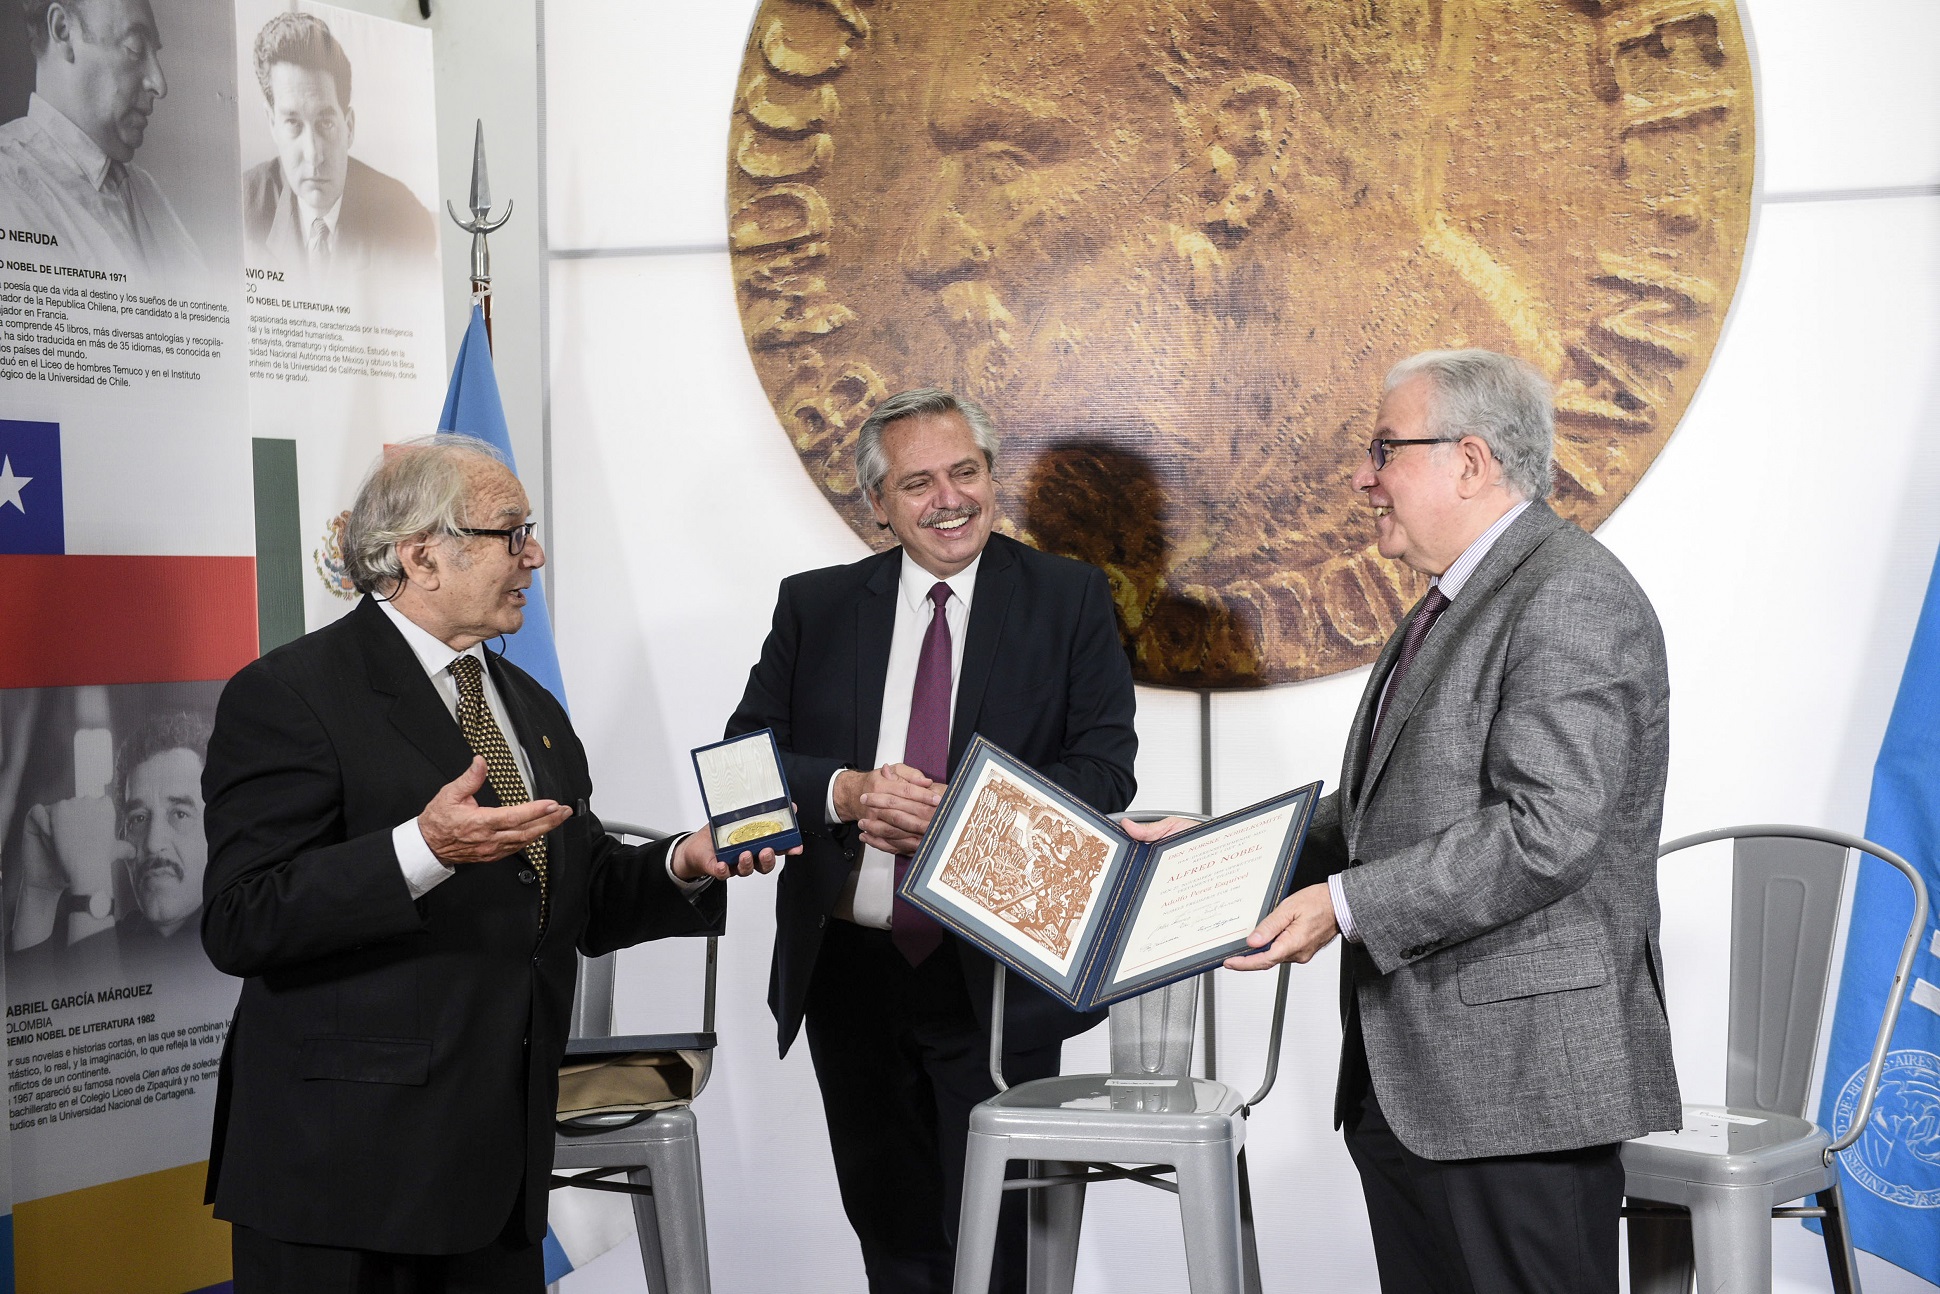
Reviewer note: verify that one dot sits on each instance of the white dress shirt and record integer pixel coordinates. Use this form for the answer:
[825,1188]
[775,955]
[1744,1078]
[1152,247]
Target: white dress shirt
[108,215]
[1450,582]
[869,896]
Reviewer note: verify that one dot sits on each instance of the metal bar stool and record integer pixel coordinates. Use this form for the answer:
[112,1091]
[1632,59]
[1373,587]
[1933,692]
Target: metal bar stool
[659,1151]
[1703,1198]
[1146,1117]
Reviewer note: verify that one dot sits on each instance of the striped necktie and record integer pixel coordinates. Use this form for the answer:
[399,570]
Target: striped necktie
[501,770]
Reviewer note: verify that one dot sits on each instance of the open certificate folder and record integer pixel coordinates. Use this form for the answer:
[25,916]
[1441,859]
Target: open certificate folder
[1058,893]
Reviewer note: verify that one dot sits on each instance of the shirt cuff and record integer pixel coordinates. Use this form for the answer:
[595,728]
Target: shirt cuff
[422,870]
[687,888]
[828,811]
[1342,917]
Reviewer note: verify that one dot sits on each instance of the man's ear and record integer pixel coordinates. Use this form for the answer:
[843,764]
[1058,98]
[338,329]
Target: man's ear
[875,507]
[418,558]
[60,29]
[1252,128]
[1479,466]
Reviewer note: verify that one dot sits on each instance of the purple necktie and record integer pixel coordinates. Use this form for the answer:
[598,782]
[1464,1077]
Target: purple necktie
[927,747]
[1431,607]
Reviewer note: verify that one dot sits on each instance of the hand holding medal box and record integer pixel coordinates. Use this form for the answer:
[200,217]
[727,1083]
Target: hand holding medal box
[746,796]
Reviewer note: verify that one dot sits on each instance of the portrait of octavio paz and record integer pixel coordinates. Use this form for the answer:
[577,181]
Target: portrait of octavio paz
[1173,245]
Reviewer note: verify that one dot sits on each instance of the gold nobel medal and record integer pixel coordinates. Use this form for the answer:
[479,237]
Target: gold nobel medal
[1173,246]
[747,831]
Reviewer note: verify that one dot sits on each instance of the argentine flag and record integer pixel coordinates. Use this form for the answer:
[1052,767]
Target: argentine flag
[584,1224]
[1892,1173]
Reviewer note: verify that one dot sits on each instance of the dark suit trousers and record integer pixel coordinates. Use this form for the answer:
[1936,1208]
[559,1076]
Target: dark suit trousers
[508,1265]
[1529,1224]
[901,1059]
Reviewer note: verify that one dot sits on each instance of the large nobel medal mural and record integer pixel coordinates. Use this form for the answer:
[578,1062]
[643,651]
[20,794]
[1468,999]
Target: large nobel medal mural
[1173,245]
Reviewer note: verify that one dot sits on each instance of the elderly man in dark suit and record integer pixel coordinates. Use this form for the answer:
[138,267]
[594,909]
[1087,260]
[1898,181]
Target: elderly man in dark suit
[874,678]
[314,207]
[1491,859]
[402,865]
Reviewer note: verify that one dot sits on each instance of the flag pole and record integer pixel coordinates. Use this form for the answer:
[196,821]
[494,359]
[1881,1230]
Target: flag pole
[479,226]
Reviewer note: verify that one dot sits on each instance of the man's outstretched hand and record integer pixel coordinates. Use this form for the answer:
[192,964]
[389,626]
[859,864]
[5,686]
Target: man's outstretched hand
[460,831]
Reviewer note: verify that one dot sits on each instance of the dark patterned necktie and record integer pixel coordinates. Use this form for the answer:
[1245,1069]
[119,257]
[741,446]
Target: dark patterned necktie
[501,770]
[927,747]
[1431,607]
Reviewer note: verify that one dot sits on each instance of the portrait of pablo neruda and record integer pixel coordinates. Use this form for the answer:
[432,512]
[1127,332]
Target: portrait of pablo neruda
[1194,233]
[67,167]
[313,208]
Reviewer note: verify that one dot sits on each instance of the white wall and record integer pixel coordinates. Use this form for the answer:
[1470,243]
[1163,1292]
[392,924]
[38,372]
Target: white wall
[1785,536]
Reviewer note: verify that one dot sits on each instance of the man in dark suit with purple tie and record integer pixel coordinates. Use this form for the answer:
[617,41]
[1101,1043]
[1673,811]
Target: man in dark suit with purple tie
[874,677]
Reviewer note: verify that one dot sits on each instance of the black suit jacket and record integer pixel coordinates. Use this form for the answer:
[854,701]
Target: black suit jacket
[390,1076]
[1044,676]
[381,221]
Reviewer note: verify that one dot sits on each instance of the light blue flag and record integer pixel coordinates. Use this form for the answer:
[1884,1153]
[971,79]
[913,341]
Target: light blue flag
[472,406]
[1892,1173]
[584,1224]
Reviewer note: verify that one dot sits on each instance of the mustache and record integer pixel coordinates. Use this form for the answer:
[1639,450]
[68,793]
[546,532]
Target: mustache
[936,516]
[150,864]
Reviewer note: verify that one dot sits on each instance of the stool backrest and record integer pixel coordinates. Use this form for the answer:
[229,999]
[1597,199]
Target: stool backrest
[1785,895]
[593,988]
[1152,1033]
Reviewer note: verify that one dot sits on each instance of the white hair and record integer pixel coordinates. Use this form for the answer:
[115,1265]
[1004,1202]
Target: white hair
[1499,398]
[416,489]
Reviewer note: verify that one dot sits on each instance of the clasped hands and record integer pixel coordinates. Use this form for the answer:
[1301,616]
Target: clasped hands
[891,805]
[459,830]
[1301,925]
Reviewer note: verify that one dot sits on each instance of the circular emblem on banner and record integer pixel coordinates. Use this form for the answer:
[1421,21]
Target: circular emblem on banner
[1173,245]
[1898,1156]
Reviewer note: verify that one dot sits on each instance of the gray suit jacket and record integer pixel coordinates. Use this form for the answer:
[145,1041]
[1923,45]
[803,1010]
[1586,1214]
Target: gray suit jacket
[1500,852]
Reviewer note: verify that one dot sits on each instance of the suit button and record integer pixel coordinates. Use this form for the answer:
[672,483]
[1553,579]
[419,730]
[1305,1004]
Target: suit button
[821,923]
[527,876]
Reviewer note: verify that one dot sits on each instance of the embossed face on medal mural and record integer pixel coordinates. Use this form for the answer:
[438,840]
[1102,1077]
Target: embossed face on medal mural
[1173,245]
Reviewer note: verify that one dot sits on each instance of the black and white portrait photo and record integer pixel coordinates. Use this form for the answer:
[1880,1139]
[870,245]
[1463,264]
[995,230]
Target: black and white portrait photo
[327,202]
[113,141]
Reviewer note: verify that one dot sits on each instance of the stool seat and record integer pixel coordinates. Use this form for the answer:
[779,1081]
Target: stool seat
[1727,1146]
[1108,1107]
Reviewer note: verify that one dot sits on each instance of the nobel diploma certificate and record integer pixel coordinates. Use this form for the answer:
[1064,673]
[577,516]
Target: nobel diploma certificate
[1204,893]
[1060,894]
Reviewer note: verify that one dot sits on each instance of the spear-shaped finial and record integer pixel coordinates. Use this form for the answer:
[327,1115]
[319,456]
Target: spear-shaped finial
[481,224]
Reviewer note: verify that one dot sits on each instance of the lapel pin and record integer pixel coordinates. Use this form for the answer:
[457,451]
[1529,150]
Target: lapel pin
[547,740]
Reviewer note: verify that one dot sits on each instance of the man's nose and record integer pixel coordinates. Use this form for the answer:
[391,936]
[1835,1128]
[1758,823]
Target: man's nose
[152,78]
[533,555]
[1364,476]
[945,244]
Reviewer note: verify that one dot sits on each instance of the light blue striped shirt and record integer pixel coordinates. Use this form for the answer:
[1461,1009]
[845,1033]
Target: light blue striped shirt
[1450,582]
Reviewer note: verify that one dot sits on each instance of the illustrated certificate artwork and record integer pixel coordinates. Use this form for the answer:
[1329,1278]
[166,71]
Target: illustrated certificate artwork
[1029,872]
[1204,892]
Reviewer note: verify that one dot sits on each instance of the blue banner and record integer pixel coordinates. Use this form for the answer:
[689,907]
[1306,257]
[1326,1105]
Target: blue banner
[1892,1173]
[472,406]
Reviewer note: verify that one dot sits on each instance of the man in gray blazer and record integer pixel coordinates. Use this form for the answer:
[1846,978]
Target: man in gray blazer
[1490,858]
